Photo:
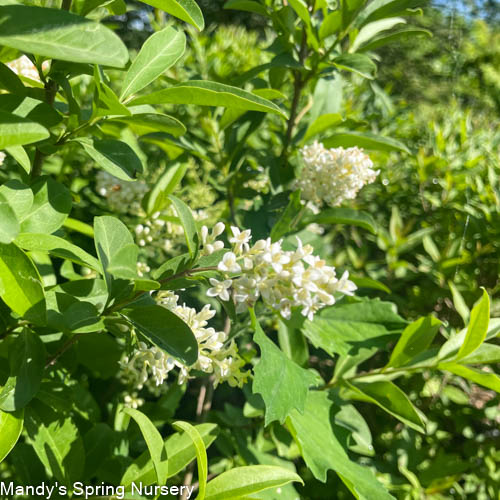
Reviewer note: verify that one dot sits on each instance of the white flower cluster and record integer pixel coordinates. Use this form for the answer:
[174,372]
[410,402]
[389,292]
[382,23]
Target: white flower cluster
[284,279]
[333,175]
[123,197]
[152,365]
[24,67]
[142,269]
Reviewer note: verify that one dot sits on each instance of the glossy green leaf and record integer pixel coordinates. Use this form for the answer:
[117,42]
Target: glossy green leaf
[379,9]
[11,426]
[186,10]
[346,329]
[188,224]
[339,215]
[416,338]
[166,330]
[390,398]
[201,455]
[394,37]
[364,282]
[115,248]
[10,81]
[147,123]
[154,442]
[322,123]
[27,363]
[282,383]
[322,450]
[484,354]
[79,227]
[204,93]
[20,284]
[51,205]
[58,247]
[61,35]
[241,482]
[478,327]
[360,64]
[9,225]
[19,196]
[181,451]
[370,30]
[301,9]
[331,24]
[160,51]
[16,130]
[246,6]
[56,441]
[116,157]
[486,379]
[365,140]
[19,154]
[157,198]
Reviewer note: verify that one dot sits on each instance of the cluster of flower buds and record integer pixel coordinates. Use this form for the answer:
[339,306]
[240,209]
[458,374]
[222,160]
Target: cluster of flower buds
[332,176]
[283,279]
[150,365]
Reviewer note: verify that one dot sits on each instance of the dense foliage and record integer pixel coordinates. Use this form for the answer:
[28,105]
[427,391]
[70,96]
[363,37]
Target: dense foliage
[249,250]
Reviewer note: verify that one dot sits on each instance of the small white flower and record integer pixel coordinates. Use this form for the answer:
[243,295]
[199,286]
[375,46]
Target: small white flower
[240,239]
[219,289]
[229,263]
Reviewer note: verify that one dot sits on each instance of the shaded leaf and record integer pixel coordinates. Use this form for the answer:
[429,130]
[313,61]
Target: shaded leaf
[11,426]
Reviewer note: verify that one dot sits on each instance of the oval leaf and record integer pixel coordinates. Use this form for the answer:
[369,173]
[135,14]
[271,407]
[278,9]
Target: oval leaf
[167,331]
[186,10]
[20,284]
[16,131]
[160,51]
[147,123]
[9,225]
[365,140]
[189,225]
[204,93]
[11,426]
[60,35]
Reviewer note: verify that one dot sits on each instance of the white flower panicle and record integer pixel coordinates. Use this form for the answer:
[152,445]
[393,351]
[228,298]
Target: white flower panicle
[332,176]
[123,197]
[283,279]
[150,365]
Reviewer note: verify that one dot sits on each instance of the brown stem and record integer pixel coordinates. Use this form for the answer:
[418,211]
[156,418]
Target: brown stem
[62,350]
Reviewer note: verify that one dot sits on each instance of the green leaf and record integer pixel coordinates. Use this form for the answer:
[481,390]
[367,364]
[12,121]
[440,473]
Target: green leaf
[116,157]
[27,363]
[478,327]
[20,284]
[181,451]
[204,93]
[186,10]
[486,379]
[19,196]
[188,224]
[154,442]
[300,7]
[390,398]
[57,442]
[282,383]
[147,123]
[58,247]
[365,140]
[241,482]
[322,451]
[115,248]
[379,9]
[9,225]
[160,51]
[331,24]
[11,426]
[370,30]
[416,338]
[79,227]
[459,303]
[341,216]
[322,123]
[31,109]
[393,37]
[16,130]
[51,205]
[157,198]
[347,329]
[19,154]
[364,282]
[10,81]
[61,35]
[290,215]
[201,455]
[167,331]
[246,6]
[360,64]
[484,354]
